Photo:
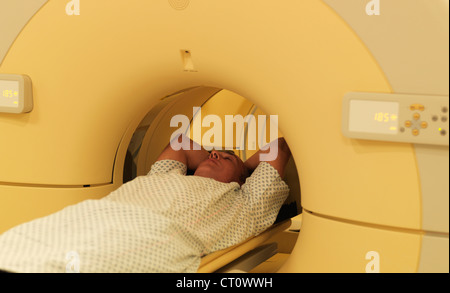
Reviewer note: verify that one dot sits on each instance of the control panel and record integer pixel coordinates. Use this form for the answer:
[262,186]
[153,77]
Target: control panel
[15,93]
[416,119]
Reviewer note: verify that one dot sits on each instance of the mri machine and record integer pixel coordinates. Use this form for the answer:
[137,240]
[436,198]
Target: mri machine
[360,89]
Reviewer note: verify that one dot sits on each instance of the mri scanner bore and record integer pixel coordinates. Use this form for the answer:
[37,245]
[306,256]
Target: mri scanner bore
[159,223]
[360,89]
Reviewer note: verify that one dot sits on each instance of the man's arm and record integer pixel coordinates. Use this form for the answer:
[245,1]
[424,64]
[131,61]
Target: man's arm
[191,154]
[279,162]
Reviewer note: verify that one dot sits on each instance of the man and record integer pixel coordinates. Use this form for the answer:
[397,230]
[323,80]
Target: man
[162,222]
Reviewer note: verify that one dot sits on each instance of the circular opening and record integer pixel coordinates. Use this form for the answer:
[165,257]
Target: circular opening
[218,119]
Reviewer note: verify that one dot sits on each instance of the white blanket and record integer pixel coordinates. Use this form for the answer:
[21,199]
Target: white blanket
[162,222]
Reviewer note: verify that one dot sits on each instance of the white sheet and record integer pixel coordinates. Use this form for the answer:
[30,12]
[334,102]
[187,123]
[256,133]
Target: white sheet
[162,222]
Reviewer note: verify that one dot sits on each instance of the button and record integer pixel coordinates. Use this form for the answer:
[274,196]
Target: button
[408,123]
[444,109]
[424,124]
[443,132]
[416,116]
[444,118]
[435,118]
[415,132]
[419,107]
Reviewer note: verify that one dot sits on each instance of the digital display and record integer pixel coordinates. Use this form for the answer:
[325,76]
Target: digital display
[9,93]
[373,116]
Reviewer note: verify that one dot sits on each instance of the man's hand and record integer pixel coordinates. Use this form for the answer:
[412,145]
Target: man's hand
[279,162]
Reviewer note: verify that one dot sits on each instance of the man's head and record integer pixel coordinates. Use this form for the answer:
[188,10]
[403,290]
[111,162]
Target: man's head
[223,166]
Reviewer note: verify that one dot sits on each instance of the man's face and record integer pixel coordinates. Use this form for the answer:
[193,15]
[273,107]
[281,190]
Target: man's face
[223,167]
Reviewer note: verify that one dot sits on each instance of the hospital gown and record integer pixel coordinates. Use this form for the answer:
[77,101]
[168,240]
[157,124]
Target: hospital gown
[162,222]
